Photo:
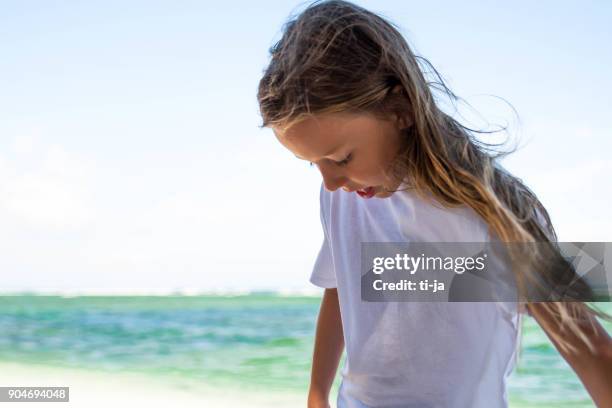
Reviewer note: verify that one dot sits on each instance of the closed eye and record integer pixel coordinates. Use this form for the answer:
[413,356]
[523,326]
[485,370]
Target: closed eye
[341,163]
[345,161]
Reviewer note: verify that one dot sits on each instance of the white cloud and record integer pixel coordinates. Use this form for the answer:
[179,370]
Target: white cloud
[23,144]
[44,190]
[75,225]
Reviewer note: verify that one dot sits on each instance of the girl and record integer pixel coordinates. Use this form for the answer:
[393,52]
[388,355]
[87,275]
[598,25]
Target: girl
[344,91]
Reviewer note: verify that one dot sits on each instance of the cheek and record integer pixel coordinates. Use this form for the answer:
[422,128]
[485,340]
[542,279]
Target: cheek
[368,171]
[381,159]
[378,160]
[388,151]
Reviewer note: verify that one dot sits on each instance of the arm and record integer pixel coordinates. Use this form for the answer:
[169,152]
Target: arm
[595,371]
[329,343]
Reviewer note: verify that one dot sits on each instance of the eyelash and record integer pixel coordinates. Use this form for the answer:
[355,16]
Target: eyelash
[343,162]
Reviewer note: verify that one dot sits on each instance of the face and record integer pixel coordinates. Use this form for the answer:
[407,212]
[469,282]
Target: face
[351,150]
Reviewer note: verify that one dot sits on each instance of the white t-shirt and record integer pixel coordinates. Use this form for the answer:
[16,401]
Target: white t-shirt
[412,354]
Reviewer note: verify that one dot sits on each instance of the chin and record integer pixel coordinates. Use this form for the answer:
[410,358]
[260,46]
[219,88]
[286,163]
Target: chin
[383,194]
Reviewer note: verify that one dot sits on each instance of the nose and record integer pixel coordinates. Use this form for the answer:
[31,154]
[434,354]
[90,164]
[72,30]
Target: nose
[332,180]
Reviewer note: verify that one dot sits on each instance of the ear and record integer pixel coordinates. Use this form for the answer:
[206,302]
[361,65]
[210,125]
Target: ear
[404,120]
[397,89]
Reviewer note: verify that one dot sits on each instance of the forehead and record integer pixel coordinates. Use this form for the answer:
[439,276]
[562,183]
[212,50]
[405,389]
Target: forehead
[315,135]
[325,125]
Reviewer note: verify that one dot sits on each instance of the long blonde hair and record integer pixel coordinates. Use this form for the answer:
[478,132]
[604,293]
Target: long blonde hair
[338,57]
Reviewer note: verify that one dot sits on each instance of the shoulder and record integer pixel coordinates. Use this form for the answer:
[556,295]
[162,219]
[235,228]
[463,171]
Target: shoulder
[419,217]
[324,201]
[434,221]
[323,195]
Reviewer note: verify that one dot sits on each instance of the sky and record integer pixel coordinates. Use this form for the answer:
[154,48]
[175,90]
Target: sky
[131,157]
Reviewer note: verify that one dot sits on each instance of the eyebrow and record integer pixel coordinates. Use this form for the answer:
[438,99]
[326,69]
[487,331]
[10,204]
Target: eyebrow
[332,151]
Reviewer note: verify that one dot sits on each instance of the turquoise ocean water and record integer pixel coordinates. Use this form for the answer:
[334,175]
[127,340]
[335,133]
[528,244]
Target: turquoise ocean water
[248,342]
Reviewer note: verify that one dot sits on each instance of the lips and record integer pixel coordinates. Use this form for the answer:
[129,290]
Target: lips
[367,192]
